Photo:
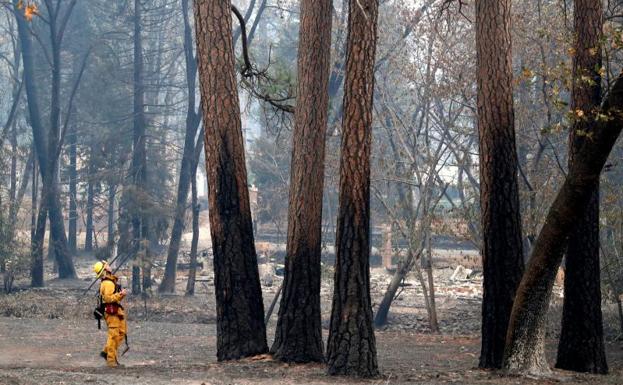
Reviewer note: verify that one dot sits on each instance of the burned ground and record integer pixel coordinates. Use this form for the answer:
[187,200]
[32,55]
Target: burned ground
[48,337]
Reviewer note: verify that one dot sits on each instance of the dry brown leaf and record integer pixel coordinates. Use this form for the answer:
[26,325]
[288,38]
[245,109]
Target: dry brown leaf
[30,11]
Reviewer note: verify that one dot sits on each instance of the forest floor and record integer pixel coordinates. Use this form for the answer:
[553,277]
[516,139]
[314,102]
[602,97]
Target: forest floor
[48,337]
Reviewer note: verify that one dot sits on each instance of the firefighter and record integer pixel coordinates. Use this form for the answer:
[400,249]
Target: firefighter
[111,295]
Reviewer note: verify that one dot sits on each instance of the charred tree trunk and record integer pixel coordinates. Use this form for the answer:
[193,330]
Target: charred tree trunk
[186,173]
[47,153]
[502,256]
[140,226]
[38,217]
[13,172]
[110,214]
[196,209]
[298,337]
[192,272]
[382,312]
[351,348]
[427,265]
[36,243]
[124,244]
[241,331]
[19,197]
[73,190]
[581,345]
[88,240]
[57,225]
[525,340]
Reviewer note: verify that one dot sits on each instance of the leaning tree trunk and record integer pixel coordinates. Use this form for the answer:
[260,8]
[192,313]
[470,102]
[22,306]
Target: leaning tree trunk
[581,345]
[501,251]
[351,348]
[298,337]
[241,331]
[382,311]
[525,340]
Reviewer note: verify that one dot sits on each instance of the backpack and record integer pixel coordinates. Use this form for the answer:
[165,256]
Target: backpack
[99,311]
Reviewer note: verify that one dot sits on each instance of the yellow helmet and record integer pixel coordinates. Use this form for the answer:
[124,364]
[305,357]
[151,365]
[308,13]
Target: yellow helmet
[99,268]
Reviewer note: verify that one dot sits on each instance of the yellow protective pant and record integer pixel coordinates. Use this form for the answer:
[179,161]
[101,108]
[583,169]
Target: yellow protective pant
[117,329]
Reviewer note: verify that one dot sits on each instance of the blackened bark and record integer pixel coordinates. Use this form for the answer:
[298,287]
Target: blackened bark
[192,272]
[19,197]
[46,154]
[13,173]
[192,122]
[36,264]
[382,312]
[241,331]
[502,256]
[196,209]
[298,337]
[124,244]
[72,227]
[57,225]
[581,345]
[110,240]
[88,240]
[351,348]
[140,223]
[525,340]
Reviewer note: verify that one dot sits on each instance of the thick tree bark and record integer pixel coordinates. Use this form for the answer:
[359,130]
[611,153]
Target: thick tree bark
[502,256]
[241,331]
[298,337]
[192,123]
[581,345]
[525,340]
[351,348]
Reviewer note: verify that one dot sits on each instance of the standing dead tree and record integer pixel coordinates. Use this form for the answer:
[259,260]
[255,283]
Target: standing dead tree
[47,149]
[186,171]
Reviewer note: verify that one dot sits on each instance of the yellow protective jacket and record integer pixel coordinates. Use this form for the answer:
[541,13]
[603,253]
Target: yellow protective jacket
[109,295]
